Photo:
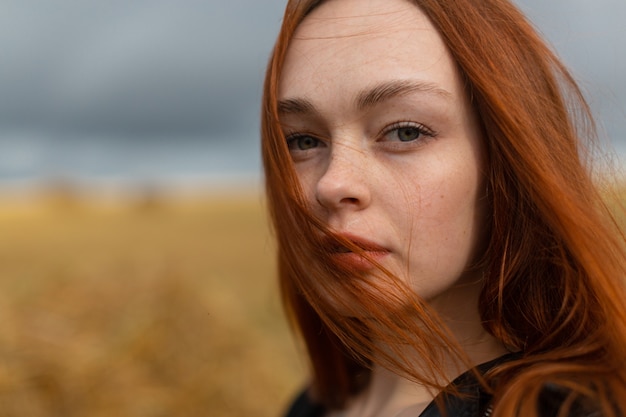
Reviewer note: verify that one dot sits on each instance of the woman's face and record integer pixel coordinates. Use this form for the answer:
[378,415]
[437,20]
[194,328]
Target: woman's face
[384,141]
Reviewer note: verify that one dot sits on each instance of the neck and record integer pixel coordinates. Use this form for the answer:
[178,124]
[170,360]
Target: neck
[392,395]
[458,309]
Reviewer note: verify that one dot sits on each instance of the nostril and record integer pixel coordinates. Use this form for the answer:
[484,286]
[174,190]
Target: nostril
[340,187]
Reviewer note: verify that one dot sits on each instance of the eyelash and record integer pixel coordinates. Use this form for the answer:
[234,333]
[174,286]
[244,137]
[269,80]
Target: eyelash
[422,131]
[420,128]
[291,138]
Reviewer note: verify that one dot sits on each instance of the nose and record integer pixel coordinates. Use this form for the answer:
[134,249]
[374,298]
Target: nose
[344,184]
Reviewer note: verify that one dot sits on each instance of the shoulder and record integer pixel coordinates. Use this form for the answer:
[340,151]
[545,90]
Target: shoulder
[553,398]
[303,406]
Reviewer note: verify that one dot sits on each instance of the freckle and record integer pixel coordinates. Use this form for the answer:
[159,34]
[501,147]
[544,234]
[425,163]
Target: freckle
[441,196]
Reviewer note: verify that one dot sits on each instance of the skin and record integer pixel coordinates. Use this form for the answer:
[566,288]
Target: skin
[388,152]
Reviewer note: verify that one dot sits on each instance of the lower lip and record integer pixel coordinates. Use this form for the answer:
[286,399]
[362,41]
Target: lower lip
[355,262]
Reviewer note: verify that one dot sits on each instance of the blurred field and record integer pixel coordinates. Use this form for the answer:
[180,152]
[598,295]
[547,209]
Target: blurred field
[145,308]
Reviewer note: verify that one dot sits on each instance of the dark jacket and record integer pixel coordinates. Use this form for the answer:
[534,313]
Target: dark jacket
[476,404]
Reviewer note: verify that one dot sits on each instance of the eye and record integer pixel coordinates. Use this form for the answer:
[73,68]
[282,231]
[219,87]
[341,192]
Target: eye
[300,142]
[409,133]
[406,132]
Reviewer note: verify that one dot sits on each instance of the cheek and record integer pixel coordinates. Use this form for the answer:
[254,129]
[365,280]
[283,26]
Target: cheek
[461,213]
[449,198]
[307,177]
[445,234]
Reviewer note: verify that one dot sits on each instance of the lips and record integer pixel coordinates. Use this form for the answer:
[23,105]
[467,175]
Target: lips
[345,257]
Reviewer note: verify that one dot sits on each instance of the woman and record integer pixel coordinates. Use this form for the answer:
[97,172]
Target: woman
[442,248]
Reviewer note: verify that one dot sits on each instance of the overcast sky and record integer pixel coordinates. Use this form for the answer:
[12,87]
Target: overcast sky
[149,70]
[135,67]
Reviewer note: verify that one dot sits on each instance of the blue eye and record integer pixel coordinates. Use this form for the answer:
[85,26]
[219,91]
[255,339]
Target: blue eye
[406,132]
[302,142]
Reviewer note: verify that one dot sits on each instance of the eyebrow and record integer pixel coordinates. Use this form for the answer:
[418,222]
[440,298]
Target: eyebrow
[390,89]
[296,106]
[370,96]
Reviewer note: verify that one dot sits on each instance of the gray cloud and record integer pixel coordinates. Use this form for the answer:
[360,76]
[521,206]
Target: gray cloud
[590,37]
[138,67]
[78,74]
[148,66]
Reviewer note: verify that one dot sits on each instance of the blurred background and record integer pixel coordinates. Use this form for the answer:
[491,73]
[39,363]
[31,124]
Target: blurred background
[136,265]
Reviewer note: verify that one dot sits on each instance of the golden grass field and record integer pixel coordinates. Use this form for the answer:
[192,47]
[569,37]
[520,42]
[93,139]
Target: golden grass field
[143,308]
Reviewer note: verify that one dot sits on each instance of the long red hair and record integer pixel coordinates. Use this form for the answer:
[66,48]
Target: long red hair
[555,262]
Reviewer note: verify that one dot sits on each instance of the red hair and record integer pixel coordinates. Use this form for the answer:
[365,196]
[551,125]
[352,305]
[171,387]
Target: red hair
[555,262]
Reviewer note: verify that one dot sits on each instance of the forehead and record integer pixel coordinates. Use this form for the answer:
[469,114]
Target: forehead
[346,43]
